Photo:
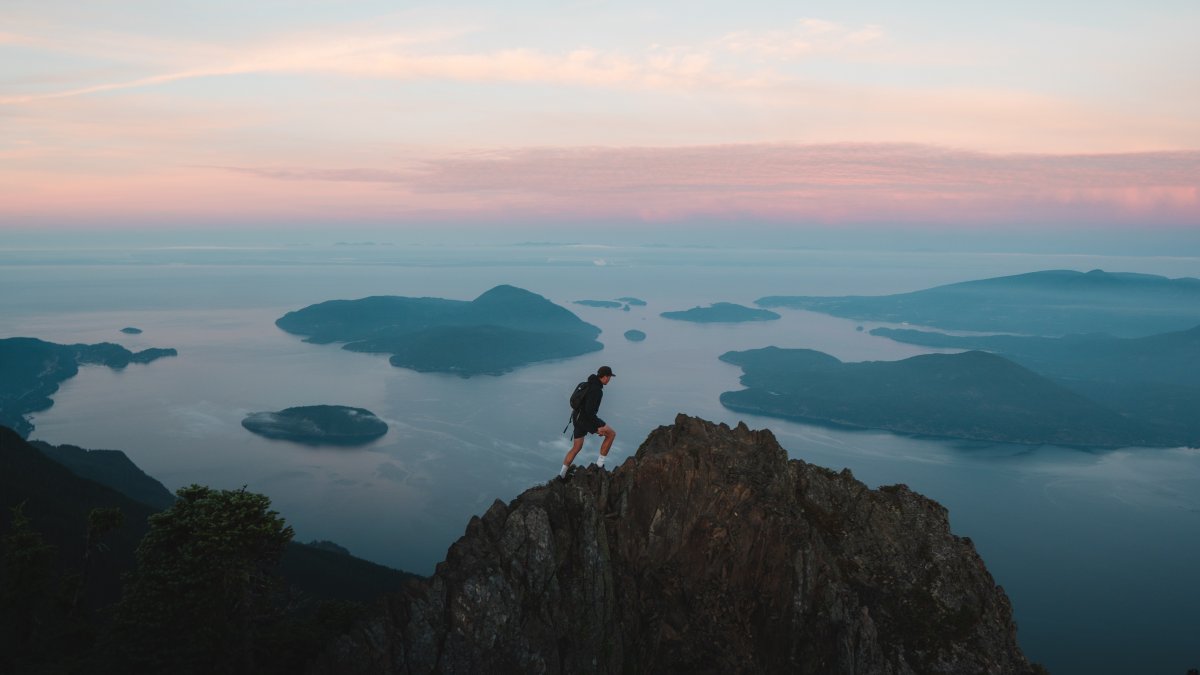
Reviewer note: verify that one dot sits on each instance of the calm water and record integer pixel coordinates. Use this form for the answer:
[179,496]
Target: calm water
[1098,551]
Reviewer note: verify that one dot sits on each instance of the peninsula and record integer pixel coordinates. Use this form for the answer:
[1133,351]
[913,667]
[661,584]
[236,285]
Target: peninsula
[34,368]
[503,329]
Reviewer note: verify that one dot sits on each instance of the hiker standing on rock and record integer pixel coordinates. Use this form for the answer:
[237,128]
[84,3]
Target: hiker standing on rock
[586,420]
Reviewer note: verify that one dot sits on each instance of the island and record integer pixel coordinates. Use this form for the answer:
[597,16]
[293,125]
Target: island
[635,302]
[721,312]
[130,330]
[972,395]
[1050,303]
[635,335]
[1151,379]
[318,425]
[497,332]
[606,304]
[34,368]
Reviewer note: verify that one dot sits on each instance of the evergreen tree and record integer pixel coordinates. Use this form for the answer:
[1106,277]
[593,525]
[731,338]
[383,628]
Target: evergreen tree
[26,571]
[201,592]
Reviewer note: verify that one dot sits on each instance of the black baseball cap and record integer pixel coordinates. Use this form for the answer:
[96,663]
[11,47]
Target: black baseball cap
[605,370]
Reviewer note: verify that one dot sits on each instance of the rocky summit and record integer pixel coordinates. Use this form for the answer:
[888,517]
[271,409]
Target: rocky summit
[707,552]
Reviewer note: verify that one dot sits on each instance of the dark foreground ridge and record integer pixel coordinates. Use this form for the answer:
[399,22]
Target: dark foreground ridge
[707,552]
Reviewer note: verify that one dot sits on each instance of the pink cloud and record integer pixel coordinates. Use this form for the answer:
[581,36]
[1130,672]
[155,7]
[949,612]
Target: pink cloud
[830,184]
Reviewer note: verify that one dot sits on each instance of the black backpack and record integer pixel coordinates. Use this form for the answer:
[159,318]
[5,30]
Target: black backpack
[577,395]
[581,390]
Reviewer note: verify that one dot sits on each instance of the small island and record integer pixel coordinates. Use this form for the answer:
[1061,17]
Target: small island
[722,312]
[973,395]
[605,304]
[130,330]
[34,368]
[503,329]
[635,335]
[318,425]
[635,302]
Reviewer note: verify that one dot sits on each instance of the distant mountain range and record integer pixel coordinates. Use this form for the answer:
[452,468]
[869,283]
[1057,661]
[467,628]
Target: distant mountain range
[503,329]
[972,395]
[1053,303]
[32,369]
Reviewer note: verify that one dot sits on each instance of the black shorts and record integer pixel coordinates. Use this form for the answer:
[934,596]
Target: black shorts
[584,428]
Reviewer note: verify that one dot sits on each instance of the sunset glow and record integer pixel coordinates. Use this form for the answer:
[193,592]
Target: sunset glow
[143,115]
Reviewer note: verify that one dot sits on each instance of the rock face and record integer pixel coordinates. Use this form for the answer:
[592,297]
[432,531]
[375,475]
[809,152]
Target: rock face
[708,552]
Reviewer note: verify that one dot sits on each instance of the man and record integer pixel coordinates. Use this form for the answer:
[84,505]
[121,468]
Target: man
[588,422]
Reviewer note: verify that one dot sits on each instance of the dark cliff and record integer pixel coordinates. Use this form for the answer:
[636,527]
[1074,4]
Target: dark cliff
[709,551]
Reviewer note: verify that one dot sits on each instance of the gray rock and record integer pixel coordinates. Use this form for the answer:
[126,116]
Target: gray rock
[708,552]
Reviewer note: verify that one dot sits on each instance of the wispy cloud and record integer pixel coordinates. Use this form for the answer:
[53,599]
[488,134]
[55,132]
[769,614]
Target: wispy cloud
[807,37]
[828,183]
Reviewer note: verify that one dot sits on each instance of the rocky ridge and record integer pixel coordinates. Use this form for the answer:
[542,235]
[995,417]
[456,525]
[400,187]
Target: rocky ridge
[709,551]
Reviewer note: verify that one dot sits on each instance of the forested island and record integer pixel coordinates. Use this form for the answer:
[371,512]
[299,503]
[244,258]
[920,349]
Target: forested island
[503,329]
[972,395]
[1052,303]
[34,368]
[635,335]
[721,312]
[318,425]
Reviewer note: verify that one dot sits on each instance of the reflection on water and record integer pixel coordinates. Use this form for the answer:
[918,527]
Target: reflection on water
[1097,550]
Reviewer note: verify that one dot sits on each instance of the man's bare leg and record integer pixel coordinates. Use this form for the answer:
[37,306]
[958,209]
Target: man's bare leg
[575,448]
[609,436]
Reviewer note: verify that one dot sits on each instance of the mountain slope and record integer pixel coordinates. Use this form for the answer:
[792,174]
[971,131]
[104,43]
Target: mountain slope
[708,552]
[112,468]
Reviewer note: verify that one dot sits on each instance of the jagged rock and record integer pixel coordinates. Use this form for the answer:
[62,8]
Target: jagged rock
[707,552]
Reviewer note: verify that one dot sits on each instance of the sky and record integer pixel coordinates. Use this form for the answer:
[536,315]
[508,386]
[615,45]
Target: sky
[950,116]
